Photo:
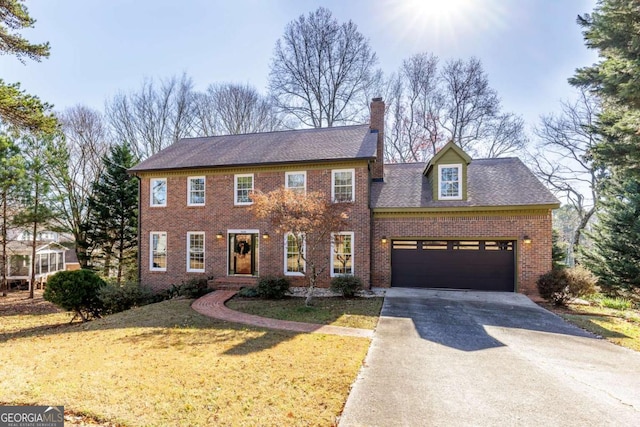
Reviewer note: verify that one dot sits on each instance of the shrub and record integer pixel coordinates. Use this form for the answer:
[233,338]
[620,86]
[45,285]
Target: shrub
[194,288]
[76,291]
[273,287]
[248,292]
[116,298]
[346,285]
[562,285]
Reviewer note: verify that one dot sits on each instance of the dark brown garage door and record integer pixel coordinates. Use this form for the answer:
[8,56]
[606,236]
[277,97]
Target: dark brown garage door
[480,265]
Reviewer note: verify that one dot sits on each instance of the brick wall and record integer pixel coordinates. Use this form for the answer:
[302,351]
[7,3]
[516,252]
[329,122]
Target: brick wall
[532,259]
[219,215]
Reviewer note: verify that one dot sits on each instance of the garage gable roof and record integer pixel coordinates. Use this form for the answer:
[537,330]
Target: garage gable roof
[305,145]
[498,182]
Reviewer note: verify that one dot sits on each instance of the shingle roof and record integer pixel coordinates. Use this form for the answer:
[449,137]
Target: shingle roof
[492,182]
[306,145]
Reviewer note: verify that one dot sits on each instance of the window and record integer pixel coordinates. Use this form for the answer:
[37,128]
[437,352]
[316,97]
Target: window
[294,264]
[195,191]
[296,181]
[243,189]
[342,254]
[195,252]
[159,192]
[450,185]
[342,185]
[158,252]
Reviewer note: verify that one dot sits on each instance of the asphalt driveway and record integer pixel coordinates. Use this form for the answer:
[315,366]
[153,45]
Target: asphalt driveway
[450,358]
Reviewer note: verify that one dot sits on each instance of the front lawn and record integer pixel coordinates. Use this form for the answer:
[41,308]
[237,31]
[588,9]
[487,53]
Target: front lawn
[164,364]
[620,326]
[350,312]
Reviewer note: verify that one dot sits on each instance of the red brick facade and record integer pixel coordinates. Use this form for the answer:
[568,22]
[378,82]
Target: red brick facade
[532,259]
[221,215]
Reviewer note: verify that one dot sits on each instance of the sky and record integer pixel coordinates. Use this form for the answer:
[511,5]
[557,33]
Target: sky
[528,48]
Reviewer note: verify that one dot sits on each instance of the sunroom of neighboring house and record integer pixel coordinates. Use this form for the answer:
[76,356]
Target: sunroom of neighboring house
[50,258]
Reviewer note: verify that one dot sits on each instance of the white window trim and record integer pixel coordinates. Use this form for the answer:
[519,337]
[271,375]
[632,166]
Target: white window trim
[166,239]
[166,192]
[304,250]
[189,190]
[333,185]
[235,188]
[204,251]
[460,182]
[286,180]
[353,265]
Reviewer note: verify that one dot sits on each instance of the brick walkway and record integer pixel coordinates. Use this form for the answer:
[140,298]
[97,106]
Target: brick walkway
[212,305]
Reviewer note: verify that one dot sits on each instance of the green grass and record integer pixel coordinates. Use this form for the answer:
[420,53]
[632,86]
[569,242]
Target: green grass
[166,365]
[614,319]
[350,312]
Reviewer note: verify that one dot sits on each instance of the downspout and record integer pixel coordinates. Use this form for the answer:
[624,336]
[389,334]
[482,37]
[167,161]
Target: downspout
[371,230]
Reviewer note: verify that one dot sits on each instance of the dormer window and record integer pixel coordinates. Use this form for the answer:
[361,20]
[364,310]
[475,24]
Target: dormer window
[450,185]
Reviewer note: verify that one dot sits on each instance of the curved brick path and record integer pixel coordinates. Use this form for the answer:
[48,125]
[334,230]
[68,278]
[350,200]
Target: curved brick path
[212,305]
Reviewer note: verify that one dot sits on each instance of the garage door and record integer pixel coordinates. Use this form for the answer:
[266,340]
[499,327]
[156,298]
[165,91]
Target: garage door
[486,265]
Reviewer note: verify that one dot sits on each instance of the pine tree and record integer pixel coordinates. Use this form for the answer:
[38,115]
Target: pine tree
[18,108]
[615,256]
[612,29]
[12,173]
[113,226]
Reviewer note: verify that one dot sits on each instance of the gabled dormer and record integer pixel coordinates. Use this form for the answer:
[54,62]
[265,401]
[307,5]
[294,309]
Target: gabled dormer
[447,173]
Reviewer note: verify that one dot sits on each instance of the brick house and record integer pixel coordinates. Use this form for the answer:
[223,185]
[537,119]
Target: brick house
[453,222]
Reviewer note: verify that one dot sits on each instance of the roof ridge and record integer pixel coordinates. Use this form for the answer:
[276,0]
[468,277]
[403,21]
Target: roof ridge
[273,131]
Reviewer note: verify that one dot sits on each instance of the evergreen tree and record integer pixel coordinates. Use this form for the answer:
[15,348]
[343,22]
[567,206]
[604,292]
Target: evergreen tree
[113,226]
[12,172]
[41,155]
[612,29]
[615,256]
[18,108]
[558,251]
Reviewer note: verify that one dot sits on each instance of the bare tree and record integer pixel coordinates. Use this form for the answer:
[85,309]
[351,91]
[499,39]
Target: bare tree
[86,143]
[429,106]
[414,106]
[321,69]
[154,117]
[232,109]
[562,159]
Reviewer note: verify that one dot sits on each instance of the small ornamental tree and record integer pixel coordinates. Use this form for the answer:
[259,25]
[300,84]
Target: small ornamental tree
[310,219]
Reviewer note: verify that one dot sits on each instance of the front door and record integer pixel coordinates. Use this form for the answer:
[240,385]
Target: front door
[243,253]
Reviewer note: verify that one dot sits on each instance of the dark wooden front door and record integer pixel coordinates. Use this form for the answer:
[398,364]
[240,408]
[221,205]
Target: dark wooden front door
[242,253]
[478,265]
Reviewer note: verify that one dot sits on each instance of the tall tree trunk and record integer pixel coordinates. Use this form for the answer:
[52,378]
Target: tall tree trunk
[35,238]
[579,230]
[5,269]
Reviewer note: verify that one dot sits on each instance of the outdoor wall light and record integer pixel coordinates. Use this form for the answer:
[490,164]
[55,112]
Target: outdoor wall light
[219,235]
[265,236]
[526,239]
[384,239]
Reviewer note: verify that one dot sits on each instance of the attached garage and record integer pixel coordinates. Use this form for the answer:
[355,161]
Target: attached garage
[484,265]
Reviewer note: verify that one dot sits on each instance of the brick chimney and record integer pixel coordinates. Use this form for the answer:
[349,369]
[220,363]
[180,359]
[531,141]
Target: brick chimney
[377,126]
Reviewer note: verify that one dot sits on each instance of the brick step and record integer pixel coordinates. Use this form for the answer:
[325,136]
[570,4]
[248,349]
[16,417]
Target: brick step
[232,283]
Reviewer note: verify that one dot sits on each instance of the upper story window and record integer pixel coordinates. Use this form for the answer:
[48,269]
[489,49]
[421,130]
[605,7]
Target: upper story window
[158,251]
[296,181]
[342,254]
[195,252]
[158,192]
[450,185]
[243,188]
[195,190]
[293,257]
[342,185]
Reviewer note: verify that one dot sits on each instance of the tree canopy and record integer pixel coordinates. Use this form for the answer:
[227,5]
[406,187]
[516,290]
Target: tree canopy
[17,108]
[321,69]
[612,29]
